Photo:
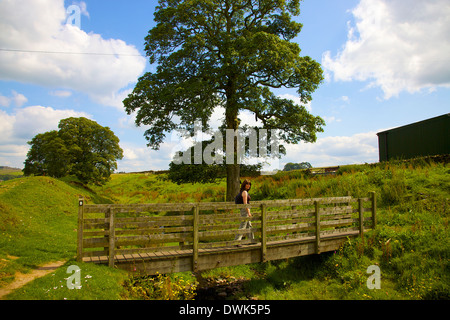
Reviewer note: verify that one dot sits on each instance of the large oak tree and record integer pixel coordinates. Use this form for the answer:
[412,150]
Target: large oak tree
[227,53]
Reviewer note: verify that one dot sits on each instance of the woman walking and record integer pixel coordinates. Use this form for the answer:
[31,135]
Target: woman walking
[244,198]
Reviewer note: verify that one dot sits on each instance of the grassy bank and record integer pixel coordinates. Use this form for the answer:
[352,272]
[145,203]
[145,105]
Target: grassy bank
[410,245]
[38,221]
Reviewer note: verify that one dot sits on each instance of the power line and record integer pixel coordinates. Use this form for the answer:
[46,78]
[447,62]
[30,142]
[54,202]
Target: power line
[65,52]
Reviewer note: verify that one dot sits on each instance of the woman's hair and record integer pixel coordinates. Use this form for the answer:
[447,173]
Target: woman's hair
[244,184]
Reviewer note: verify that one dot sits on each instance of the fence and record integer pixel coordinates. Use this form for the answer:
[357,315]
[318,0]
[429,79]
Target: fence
[109,231]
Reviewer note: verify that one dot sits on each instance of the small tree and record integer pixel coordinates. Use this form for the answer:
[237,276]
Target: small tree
[81,147]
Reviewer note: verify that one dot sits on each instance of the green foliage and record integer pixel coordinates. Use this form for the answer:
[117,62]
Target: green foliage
[230,54]
[81,147]
[212,53]
[179,286]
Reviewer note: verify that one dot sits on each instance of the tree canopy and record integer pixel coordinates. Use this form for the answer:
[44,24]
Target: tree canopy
[228,53]
[80,147]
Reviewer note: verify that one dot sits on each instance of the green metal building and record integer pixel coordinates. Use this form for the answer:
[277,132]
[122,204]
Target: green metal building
[425,138]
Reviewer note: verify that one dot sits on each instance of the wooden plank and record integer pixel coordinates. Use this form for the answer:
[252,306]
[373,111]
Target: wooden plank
[95,253]
[137,208]
[263,233]
[195,237]
[147,231]
[176,207]
[95,242]
[95,225]
[225,244]
[290,228]
[217,235]
[87,234]
[285,214]
[335,210]
[112,239]
[80,229]
[215,219]
[154,239]
[316,205]
[361,217]
[177,218]
[291,221]
[156,223]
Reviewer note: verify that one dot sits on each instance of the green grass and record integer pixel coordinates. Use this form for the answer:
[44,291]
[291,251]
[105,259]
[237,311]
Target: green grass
[38,221]
[410,245]
[141,188]
[96,283]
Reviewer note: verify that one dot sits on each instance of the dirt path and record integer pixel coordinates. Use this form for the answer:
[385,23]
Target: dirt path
[22,279]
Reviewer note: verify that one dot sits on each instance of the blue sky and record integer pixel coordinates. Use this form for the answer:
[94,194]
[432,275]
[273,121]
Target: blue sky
[386,62]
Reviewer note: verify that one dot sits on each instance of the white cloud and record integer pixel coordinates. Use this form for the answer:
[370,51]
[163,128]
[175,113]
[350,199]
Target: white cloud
[61,93]
[17,99]
[32,120]
[327,151]
[18,128]
[398,45]
[40,26]
[338,150]
[138,158]
[331,119]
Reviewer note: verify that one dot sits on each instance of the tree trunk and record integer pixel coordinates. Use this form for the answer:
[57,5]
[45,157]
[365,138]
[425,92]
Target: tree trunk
[233,175]
[233,169]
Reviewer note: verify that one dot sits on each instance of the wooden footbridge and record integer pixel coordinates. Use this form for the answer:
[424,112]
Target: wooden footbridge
[166,238]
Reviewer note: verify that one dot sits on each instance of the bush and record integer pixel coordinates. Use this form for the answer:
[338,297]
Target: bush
[161,287]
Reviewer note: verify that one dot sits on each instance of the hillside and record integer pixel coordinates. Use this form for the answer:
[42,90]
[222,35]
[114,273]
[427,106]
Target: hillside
[38,221]
[8,173]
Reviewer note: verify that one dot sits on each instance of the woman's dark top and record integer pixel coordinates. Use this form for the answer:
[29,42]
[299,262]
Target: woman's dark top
[240,200]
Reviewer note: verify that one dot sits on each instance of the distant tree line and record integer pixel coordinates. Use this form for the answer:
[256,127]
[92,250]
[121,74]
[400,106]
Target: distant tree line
[296,166]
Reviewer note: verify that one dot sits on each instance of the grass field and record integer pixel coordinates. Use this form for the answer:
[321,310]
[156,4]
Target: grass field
[38,221]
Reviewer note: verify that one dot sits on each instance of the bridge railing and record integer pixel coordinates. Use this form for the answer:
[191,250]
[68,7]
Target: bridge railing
[106,231]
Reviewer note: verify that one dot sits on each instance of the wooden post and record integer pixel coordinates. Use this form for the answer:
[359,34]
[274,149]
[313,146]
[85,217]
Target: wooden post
[263,233]
[374,209]
[195,212]
[317,214]
[80,229]
[112,239]
[361,217]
